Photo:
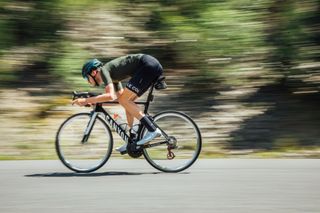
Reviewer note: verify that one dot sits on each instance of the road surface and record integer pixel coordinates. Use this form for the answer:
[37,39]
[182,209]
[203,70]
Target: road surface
[217,185]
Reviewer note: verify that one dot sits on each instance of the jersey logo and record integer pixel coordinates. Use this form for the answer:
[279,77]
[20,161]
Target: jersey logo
[133,88]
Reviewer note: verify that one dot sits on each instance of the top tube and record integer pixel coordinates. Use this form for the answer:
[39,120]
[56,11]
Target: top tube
[117,102]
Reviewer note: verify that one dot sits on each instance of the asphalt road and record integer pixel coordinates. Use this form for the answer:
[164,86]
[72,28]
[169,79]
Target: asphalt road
[221,185]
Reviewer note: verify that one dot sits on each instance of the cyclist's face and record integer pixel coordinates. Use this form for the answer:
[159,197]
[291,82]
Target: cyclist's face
[91,78]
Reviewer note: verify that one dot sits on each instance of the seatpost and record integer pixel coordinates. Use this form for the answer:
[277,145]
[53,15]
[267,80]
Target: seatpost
[149,99]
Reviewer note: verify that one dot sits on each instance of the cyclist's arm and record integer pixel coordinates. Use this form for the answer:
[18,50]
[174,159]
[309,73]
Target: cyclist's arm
[118,88]
[108,96]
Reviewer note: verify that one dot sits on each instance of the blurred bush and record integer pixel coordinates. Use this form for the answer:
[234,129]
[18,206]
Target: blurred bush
[247,71]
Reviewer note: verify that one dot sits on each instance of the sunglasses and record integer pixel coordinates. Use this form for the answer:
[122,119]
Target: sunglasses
[87,77]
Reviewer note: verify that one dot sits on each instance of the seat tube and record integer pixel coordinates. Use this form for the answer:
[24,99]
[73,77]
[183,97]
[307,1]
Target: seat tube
[149,99]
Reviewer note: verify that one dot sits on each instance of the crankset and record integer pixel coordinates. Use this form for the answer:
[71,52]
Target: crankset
[133,151]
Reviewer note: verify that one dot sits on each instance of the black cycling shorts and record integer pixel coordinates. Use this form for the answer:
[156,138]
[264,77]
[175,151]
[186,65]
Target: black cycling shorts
[149,71]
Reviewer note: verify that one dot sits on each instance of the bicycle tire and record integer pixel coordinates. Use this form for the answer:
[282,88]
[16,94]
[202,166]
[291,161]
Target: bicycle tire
[61,148]
[170,125]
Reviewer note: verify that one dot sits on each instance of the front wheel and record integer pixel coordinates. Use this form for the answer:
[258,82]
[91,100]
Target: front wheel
[80,149]
[179,148]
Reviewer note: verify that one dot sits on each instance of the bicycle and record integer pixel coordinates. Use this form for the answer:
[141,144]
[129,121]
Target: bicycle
[84,141]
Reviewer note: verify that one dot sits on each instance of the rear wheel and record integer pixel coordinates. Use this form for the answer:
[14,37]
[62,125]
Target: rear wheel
[181,146]
[85,156]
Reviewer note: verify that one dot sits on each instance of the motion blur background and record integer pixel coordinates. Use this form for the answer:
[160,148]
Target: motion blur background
[247,71]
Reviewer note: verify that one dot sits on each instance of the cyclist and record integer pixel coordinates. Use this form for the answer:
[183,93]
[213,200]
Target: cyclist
[142,69]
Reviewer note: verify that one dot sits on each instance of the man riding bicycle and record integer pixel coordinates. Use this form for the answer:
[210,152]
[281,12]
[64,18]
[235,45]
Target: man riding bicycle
[142,69]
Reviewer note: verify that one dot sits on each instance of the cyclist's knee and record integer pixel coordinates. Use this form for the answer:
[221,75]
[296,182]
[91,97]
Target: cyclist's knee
[123,100]
[126,97]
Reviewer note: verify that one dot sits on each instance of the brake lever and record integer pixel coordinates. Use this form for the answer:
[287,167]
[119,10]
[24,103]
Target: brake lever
[74,93]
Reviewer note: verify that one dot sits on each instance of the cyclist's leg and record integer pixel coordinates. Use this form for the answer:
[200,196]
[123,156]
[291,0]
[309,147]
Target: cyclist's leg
[127,101]
[130,118]
[136,87]
[132,111]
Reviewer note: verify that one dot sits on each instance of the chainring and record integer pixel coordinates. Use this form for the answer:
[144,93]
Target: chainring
[133,151]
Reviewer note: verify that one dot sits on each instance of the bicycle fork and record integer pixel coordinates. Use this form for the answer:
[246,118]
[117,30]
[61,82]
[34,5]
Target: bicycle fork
[89,127]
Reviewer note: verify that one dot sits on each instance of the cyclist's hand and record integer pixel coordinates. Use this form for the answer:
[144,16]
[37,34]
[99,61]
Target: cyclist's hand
[80,102]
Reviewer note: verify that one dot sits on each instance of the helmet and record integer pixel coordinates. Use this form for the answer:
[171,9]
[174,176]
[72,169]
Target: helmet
[89,66]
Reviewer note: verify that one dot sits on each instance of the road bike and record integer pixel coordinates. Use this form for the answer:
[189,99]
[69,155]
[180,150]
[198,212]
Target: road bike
[84,141]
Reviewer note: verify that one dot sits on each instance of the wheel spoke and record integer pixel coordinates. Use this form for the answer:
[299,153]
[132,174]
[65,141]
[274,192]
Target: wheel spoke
[183,145]
[79,156]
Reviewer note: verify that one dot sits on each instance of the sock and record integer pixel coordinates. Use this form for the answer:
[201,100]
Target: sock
[145,121]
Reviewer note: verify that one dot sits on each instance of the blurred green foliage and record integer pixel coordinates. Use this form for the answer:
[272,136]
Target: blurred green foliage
[213,35]
[258,55]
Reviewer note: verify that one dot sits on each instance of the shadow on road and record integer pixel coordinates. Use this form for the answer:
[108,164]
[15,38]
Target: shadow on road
[71,174]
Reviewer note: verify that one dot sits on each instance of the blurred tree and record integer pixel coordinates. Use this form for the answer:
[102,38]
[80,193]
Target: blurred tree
[281,33]
[293,36]
[30,31]
[208,47]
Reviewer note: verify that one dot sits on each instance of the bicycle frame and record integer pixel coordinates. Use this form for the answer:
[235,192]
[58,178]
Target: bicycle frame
[102,115]
[98,108]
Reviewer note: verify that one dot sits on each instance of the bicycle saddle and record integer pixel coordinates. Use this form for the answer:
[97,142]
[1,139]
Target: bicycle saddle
[160,83]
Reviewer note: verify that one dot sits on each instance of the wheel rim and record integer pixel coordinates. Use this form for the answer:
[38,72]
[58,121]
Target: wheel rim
[186,139]
[90,155]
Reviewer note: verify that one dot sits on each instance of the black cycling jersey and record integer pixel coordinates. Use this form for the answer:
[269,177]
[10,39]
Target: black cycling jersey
[143,70]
